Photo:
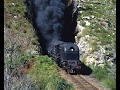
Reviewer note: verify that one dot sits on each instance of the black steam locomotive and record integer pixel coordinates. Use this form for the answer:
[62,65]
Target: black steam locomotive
[66,55]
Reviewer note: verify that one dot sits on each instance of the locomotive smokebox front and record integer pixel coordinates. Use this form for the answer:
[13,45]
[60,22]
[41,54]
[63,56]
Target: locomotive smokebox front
[69,53]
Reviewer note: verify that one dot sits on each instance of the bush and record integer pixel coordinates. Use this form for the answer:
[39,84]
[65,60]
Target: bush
[100,72]
[110,83]
[62,85]
[106,75]
[46,72]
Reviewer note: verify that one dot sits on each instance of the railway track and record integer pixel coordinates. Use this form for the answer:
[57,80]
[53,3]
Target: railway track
[79,82]
[82,84]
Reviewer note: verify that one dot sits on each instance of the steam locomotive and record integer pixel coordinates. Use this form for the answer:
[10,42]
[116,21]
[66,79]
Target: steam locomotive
[66,55]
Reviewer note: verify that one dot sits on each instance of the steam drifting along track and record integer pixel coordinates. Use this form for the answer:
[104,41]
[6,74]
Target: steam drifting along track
[82,84]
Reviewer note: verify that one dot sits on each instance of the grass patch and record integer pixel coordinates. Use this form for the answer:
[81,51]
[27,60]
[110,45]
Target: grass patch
[85,31]
[106,75]
[93,44]
[110,83]
[100,72]
[83,60]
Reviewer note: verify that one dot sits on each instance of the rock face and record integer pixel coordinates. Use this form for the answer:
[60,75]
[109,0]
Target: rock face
[84,46]
[100,56]
[104,53]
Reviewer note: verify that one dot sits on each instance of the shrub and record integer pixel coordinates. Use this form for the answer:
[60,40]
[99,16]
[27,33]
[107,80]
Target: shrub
[110,83]
[62,85]
[46,72]
[100,72]
[106,75]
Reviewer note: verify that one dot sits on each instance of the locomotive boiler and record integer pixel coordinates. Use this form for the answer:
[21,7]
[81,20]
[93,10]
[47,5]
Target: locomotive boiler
[66,55]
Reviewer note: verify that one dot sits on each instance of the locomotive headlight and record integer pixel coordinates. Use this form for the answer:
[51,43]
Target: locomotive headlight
[71,49]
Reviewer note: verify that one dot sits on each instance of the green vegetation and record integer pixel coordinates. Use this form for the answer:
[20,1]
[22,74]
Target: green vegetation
[100,72]
[83,60]
[86,31]
[106,75]
[46,72]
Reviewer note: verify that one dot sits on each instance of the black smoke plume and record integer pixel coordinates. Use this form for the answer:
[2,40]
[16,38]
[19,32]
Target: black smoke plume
[53,21]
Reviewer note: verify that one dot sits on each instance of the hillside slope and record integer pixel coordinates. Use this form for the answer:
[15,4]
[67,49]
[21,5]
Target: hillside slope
[96,39]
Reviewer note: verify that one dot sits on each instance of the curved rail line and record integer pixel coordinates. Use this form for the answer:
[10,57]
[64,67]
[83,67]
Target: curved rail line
[82,84]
